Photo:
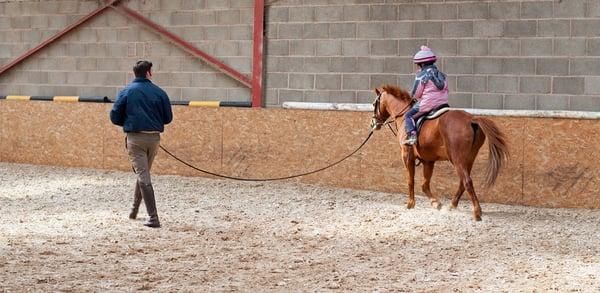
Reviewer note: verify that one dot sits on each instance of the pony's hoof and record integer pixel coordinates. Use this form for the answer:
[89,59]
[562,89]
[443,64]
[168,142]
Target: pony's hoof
[410,204]
[477,218]
[436,205]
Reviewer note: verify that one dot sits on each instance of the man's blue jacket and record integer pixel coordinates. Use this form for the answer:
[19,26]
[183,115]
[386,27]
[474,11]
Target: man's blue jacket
[142,106]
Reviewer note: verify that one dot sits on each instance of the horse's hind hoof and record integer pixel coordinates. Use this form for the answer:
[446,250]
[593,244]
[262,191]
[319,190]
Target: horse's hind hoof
[477,218]
[410,204]
[436,205]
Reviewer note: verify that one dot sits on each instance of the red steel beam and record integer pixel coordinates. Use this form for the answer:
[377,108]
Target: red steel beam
[56,36]
[186,46]
[257,53]
[257,63]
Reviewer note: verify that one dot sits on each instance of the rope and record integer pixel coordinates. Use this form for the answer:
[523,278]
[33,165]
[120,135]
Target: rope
[268,179]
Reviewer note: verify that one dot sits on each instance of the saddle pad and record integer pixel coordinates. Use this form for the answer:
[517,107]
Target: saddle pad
[437,113]
[432,115]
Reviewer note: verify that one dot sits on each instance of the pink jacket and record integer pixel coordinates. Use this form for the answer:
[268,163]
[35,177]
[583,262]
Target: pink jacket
[430,97]
[426,88]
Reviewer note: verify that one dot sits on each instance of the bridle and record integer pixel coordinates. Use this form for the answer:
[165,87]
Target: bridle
[375,124]
[376,111]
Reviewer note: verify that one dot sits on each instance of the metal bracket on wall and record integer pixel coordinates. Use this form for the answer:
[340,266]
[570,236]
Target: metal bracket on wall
[254,83]
[58,35]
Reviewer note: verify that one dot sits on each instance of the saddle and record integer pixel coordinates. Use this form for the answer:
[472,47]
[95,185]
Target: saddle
[433,114]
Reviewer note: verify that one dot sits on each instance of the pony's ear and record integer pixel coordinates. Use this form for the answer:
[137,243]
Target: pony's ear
[377,91]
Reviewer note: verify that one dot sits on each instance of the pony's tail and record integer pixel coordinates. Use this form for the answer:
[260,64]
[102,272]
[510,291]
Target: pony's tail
[498,150]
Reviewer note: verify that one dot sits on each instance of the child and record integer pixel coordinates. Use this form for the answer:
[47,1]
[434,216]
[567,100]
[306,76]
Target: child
[430,89]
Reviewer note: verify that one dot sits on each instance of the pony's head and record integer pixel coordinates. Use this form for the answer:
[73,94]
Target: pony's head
[387,98]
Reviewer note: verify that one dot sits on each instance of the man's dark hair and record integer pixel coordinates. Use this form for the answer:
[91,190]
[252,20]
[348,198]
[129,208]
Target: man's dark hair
[141,68]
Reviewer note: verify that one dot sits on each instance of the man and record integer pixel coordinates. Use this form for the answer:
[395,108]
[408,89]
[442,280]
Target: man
[142,109]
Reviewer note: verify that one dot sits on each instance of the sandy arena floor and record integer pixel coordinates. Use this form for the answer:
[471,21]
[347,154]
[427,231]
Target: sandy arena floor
[67,229]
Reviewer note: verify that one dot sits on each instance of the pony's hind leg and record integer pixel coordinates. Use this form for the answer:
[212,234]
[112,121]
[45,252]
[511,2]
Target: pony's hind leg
[457,195]
[427,174]
[471,191]
[461,186]
[467,182]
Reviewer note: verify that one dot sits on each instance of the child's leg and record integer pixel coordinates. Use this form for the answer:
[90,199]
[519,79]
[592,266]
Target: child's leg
[409,122]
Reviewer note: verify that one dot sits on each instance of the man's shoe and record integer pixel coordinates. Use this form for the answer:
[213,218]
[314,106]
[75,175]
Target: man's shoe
[133,214]
[152,223]
[148,195]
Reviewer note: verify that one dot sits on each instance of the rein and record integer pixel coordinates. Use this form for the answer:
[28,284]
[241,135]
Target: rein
[269,179]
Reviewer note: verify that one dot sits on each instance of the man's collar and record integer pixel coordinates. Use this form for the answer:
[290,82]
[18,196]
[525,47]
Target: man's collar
[141,79]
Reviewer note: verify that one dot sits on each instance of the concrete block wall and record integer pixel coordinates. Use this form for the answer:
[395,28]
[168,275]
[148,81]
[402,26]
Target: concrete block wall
[96,59]
[509,54]
[501,54]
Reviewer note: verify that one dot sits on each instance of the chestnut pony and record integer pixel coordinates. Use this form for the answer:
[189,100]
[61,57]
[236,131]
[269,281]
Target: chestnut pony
[455,136]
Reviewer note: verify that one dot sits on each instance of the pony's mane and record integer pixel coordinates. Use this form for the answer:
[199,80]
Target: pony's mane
[397,92]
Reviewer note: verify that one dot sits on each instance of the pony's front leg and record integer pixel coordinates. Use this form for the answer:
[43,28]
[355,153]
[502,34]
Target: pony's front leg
[409,162]
[427,174]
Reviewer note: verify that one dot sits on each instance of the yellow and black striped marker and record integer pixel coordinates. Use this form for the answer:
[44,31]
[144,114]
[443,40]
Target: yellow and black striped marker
[101,99]
[212,104]
[71,99]
[18,98]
